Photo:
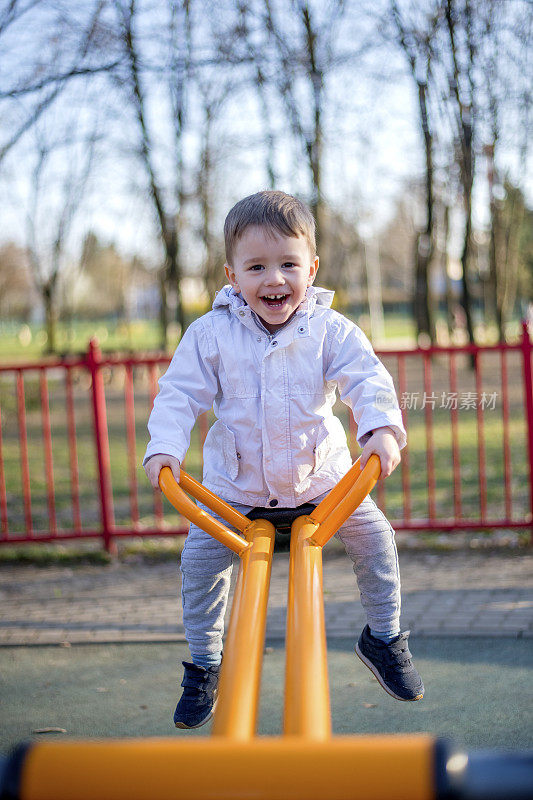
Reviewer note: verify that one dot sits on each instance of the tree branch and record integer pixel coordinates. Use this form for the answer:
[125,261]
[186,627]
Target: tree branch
[75,72]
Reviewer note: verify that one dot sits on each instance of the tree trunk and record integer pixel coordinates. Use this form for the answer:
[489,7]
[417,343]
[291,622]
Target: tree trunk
[173,272]
[50,318]
[171,278]
[163,313]
[314,147]
[466,295]
[465,116]
[423,302]
[450,300]
[511,261]
[495,233]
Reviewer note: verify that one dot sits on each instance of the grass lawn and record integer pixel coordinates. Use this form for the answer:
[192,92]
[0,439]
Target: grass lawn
[19,341]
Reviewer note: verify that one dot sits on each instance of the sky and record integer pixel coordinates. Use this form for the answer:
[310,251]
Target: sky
[372,143]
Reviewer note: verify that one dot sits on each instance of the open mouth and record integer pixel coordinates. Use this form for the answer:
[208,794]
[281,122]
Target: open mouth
[274,300]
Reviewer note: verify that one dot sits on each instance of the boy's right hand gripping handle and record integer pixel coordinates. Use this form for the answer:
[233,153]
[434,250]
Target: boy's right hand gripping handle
[175,494]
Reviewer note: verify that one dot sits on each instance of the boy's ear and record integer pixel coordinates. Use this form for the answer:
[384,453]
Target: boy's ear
[312,271]
[230,275]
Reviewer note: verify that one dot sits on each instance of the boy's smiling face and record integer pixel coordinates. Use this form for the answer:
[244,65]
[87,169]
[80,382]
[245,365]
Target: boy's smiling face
[272,273]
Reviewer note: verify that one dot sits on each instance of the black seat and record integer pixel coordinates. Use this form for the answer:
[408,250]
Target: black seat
[281,518]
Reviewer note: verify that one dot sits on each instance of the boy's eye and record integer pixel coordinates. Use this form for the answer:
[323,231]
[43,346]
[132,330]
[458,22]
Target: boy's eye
[288,264]
[256,267]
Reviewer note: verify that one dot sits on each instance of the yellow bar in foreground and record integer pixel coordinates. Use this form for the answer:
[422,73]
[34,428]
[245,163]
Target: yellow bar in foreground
[190,510]
[240,677]
[307,709]
[344,768]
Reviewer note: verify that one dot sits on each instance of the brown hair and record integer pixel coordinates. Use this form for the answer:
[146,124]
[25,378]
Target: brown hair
[281,213]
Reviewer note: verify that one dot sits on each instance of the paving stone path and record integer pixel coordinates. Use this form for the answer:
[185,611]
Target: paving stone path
[451,593]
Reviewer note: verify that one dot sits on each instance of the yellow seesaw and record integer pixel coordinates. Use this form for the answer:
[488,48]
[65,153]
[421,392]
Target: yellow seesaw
[307,711]
[306,762]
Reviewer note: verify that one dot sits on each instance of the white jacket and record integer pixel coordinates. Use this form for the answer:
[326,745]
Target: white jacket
[275,440]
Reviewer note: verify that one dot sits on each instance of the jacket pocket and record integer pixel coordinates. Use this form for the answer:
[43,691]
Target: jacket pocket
[323,446]
[330,442]
[221,459]
[229,450]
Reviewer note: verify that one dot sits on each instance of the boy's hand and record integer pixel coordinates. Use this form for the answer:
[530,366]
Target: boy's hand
[383,443]
[155,464]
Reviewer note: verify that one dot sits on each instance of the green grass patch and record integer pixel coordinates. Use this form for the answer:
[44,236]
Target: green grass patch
[28,342]
[22,341]
[45,554]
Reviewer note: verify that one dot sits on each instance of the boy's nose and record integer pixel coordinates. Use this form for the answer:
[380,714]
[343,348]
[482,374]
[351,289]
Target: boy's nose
[275,277]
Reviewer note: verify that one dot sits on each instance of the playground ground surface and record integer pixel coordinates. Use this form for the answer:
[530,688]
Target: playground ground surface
[477,692]
[95,651]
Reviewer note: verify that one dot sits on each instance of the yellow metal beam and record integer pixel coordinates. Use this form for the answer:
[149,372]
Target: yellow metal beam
[337,493]
[307,709]
[240,678]
[345,504]
[289,768]
[206,522]
[213,501]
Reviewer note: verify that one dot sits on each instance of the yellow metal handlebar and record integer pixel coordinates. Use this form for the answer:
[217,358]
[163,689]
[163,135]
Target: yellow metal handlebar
[307,708]
[329,515]
[344,498]
[202,519]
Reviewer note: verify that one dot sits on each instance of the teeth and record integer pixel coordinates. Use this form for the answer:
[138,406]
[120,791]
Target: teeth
[274,296]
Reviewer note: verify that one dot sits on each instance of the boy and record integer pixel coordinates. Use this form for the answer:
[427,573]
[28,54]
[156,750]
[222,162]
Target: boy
[269,358]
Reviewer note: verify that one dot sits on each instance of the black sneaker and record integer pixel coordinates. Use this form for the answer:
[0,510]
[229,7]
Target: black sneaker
[391,664]
[198,701]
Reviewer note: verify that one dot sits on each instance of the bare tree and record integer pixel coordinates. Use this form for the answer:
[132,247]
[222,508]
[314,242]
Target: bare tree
[30,86]
[414,34]
[310,60]
[513,219]
[484,59]
[464,58]
[163,70]
[146,52]
[212,98]
[140,78]
[461,64]
[58,189]
[504,53]
[292,48]
[245,50]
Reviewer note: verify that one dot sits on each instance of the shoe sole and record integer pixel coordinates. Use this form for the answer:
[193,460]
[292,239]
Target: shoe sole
[380,680]
[203,722]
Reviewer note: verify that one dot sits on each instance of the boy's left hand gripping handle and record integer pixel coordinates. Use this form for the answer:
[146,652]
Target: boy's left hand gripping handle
[175,494]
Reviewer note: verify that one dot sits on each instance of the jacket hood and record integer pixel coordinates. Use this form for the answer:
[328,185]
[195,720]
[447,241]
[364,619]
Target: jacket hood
[228,297]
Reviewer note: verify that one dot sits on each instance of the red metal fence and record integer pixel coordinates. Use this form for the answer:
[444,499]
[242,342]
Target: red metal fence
[73,431]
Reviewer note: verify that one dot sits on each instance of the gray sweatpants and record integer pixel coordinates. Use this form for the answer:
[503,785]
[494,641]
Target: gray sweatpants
[206,567]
